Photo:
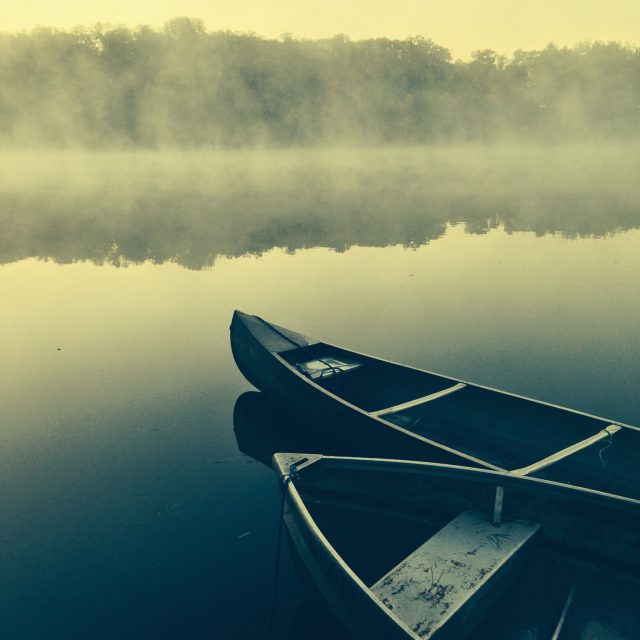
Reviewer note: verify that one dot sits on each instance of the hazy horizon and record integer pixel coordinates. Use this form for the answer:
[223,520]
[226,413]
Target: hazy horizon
[466,27]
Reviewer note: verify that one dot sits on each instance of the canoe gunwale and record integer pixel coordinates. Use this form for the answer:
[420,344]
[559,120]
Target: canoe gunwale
[476,385]
[500,477]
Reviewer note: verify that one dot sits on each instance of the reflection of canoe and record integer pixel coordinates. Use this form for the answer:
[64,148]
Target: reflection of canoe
[253,425]
[262,428]
[403,549]
[391,410]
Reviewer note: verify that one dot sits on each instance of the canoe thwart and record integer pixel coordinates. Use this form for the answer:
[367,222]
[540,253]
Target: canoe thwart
[452,573]
[418,401]
[604,434]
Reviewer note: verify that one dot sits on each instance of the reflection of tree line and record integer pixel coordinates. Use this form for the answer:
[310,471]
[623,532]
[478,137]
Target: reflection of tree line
[184,86]
[193,226]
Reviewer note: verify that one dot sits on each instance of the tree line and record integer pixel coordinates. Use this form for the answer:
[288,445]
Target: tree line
[184,86]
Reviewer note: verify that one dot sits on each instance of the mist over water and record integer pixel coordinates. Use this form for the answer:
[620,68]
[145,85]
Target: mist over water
[192,207]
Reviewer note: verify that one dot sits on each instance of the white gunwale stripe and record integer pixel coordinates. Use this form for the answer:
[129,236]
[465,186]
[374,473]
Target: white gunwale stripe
[418,401]
[568,451]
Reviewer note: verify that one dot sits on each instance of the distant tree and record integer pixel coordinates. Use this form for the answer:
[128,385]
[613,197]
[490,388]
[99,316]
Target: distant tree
[184,86]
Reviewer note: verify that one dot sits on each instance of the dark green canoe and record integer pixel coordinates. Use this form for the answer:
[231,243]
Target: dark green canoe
[403,549]
[386,409]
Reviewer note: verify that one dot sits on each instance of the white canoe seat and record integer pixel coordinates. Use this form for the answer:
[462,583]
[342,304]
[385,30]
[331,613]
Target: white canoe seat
[451,577]
[326,367]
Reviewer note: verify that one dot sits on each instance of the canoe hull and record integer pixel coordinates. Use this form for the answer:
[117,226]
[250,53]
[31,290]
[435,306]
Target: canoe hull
[376,408]
[564,513]
[344,428]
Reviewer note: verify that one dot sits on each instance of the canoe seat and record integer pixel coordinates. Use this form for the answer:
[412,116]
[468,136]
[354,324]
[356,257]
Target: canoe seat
[452,577]
[321,368]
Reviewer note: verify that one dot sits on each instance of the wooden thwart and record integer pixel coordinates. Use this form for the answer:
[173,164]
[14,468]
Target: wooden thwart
[418,401]
[607,432]
[452,573]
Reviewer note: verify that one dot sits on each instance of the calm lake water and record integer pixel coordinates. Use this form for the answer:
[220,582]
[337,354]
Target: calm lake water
[137,501]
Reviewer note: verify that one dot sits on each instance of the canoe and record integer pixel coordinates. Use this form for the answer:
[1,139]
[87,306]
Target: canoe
[403,549]
[384,409]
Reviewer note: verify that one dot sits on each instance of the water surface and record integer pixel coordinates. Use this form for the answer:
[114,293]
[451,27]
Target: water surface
[133,505]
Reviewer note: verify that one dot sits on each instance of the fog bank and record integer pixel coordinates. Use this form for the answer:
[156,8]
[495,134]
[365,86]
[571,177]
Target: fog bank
[131,207]
[181,86]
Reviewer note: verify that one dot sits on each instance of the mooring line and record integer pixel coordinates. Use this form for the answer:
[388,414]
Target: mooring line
[292,475]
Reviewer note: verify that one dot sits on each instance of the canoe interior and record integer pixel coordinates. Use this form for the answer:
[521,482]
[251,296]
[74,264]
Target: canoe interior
[372,543]
[375,385]
[602,607]
[504,430]
[586,555]
[579,520]
[494,426]
[612,467]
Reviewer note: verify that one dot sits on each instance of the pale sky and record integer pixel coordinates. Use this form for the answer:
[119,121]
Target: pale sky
[460,25]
